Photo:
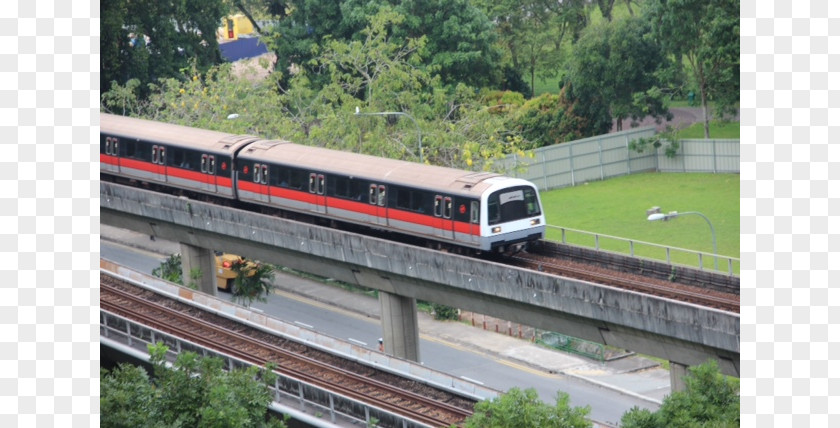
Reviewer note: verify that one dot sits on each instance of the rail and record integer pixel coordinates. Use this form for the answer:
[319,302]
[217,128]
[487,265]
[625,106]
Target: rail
[119,332]
[646,250]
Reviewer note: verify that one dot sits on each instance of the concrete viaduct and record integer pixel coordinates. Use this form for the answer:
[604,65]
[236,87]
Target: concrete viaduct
[681,333]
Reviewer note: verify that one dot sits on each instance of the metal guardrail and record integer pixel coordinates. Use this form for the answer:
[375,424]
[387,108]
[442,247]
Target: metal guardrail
[116,329]
[671,255]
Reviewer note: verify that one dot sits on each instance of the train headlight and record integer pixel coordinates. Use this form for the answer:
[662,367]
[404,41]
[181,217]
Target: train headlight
[496,229]
[535,222]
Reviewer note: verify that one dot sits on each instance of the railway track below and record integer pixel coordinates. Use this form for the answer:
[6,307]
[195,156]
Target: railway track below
[414,400]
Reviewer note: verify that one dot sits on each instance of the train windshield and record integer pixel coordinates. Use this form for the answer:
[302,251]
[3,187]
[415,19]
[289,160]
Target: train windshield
[512,204]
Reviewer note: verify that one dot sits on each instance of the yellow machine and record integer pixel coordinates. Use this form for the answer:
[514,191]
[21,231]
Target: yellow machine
[225,275]
[233,26]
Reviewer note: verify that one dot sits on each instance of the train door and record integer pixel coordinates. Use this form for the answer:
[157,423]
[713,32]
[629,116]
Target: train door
[260,178]
[208,170]
[111,159]
[317,185]
[377,198]
[159,163]
[475,223]
[443,212]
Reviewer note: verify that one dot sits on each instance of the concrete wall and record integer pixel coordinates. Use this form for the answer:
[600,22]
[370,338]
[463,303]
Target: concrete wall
[676,331]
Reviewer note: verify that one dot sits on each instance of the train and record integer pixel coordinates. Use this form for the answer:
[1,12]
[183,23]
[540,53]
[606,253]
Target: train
[443,207]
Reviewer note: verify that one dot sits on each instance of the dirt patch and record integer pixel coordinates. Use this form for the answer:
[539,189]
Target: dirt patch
[256,68]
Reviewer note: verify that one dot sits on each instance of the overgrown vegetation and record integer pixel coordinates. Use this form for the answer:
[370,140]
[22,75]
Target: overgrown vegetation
[195,392]
[170,269]
[709,400]
[440,62]
[252,282]
[519,408]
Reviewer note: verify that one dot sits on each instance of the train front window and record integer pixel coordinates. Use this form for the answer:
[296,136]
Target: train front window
[512,204]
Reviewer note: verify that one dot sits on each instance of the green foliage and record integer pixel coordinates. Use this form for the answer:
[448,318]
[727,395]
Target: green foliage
[188,35]
[170,269]
[552,119]
[710,400]
[194,392]
[252,282]
[460,47]
[616,64]
[524,409]
[707,34]
[443,312]
[533,33]
[127,397]
[641,145]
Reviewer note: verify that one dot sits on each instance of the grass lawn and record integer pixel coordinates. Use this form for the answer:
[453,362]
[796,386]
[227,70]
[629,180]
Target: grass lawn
[717,129]
[617,207]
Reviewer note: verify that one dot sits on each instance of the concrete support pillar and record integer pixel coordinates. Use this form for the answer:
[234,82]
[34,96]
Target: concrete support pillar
[400,328]
[202,259]
[678,374]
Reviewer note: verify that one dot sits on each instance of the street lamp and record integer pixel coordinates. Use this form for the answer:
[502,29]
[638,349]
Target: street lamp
[399,113]
[655,215]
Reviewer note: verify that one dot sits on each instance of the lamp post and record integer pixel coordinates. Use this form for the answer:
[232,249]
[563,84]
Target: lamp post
[399,113]
[657,216]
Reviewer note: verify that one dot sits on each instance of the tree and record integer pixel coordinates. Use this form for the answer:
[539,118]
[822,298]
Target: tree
[194,392]
[533,32]
[524,409]
[153,40]
[459,37]
[378,73]
[253,281]
[707,34]
[709,400]
[618,64]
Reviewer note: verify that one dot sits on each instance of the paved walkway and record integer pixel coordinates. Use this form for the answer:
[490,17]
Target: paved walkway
[633,375]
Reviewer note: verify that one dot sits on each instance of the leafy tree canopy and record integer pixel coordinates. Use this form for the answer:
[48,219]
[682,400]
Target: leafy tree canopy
[707,34]
[459,36]
[148,41]
[524,409]
[194,392]
[709,400]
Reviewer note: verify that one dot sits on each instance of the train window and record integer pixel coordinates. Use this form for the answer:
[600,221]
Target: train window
[372,195]
[115,150]
[155,154]
[438,206]
[211,165]
[162,151]
[108,146]
[474,212]
[531,202]
[297,179]
[130,149]
[447,207]
[381,198]
[256,173]
[493,215]
[311,183]
[321,184]
[203,163]
[179,157]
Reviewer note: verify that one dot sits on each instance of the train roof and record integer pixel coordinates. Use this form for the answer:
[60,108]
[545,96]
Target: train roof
[177,135]
[316,159]
[370,167]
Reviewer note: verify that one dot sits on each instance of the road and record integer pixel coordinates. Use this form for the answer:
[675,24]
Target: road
[607,406]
